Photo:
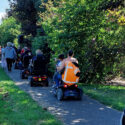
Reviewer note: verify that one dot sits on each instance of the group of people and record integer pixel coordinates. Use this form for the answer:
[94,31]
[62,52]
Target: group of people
[11,54]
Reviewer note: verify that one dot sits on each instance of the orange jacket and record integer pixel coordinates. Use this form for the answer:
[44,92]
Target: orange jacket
[69,76]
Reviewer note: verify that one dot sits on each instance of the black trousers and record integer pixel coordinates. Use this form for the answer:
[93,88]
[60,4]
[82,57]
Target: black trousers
[9,63]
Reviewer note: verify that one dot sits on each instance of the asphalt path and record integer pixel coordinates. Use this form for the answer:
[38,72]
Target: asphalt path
[70,112]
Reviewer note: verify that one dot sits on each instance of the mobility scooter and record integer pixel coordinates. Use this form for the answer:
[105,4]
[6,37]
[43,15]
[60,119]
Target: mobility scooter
[66,90]
[38,73]
[68,86]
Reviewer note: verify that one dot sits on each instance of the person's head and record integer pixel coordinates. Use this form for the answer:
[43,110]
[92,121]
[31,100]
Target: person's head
[61,56]
[9,44]
[38,52]
[70,53]
[25,48]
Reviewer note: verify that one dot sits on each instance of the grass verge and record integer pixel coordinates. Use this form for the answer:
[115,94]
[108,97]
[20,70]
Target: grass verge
[18,108]
[113,96]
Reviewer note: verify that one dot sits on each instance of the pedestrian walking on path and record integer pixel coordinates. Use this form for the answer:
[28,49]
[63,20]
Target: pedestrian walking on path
[10,54]
[3,60]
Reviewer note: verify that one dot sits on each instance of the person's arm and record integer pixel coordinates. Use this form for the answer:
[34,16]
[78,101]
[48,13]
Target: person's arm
[74,60]
[5,52]
[77,61]
[59,68]
[14,52]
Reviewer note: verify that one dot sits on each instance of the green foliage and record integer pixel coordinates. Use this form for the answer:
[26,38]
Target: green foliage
[26,13]
[9,30]
[38,42]
[94,35]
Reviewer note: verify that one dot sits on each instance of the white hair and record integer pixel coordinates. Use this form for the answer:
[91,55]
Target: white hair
[25,48]
[38,51]
[9,44]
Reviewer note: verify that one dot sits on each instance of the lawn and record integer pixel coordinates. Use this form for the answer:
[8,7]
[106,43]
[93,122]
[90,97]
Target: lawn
[113,96]
[18,108]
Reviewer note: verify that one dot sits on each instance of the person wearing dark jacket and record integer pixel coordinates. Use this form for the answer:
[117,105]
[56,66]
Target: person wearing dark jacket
[26,59]
[39,63]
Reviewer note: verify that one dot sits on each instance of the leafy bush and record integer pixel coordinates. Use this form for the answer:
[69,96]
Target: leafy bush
[94,35]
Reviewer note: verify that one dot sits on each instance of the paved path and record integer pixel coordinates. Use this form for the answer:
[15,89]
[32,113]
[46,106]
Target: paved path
[85,112]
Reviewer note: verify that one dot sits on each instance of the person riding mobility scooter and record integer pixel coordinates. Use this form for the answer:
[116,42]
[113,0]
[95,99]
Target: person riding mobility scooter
[25,72]
[68,86]
[70,77]
[38,71]
[18,62]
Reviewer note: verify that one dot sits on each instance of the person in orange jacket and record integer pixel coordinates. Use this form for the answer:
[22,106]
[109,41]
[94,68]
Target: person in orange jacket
[71,69]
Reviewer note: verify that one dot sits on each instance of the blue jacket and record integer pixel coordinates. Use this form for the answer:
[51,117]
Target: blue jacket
[10,53]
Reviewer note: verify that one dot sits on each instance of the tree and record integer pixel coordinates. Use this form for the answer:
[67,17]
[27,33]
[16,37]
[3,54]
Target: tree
[94,35]
[25,12]
[9,30]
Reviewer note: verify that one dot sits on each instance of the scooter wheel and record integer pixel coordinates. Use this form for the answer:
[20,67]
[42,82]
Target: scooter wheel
[59,94]
[31,83]
[81,95]
[80,98]
[22,75]
[47,83]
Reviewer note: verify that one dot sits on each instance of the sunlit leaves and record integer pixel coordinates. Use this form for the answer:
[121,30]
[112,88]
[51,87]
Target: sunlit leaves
[9,30]
[93,34]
